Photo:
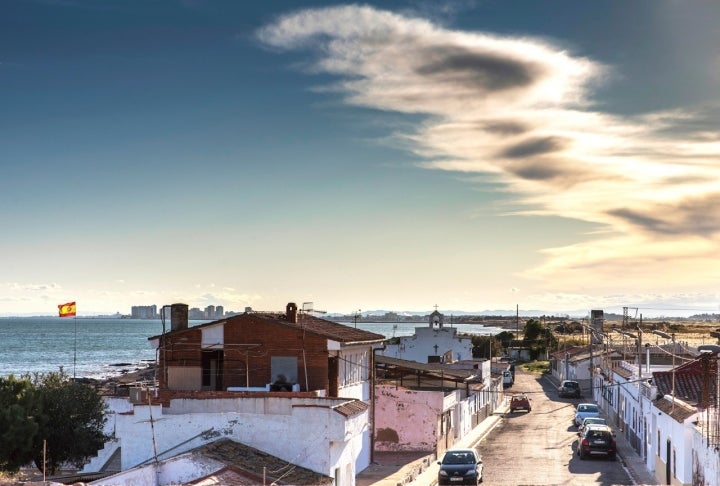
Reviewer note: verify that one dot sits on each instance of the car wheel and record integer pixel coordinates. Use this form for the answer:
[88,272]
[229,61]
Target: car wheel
[611,457]
[512,410]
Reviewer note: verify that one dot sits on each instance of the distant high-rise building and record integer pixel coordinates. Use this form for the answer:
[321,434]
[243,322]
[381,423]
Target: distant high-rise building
[144,312]
[210,312]
[219,312]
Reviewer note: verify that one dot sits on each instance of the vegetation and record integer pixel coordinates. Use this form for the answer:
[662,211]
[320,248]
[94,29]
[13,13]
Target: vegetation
[18,426]
[486,346]
[50,410]
[537,367]
[533,329]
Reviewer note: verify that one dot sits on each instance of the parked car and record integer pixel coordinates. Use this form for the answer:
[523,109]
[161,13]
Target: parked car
[569,388]
[460,466]
[508,379]
[597,440]
[585,410]
[520,402]
[590,421]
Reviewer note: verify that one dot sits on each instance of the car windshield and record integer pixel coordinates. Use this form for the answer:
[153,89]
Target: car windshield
[459,458]
[587,408]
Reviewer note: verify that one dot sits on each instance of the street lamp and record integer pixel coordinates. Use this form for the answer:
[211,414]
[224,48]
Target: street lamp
[355,317]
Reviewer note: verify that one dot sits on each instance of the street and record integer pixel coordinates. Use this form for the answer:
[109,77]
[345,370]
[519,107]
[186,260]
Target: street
[538,448]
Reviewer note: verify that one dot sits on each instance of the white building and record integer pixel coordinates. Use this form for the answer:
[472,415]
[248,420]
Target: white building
[215,381]
[435,343]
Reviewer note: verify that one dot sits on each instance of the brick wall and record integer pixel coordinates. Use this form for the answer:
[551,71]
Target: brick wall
[249,345]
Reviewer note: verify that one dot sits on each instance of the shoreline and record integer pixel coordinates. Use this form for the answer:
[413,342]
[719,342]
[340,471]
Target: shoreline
[110,386]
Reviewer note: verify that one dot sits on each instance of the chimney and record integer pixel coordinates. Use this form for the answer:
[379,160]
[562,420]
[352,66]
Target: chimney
[291,312]
[178,317]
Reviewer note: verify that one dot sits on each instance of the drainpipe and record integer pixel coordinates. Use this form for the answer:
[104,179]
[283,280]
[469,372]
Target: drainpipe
[372,404]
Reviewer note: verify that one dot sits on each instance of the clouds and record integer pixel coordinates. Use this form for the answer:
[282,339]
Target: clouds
[520,111]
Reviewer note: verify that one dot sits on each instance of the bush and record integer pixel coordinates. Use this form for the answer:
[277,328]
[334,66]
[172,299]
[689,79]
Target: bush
[50,410]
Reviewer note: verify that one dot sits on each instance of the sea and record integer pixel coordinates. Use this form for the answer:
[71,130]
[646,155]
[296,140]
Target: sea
[105,347]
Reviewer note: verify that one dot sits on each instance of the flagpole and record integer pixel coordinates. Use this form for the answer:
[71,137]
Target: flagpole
[70,310]
[75,348]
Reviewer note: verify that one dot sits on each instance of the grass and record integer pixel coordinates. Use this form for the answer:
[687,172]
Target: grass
[537,367]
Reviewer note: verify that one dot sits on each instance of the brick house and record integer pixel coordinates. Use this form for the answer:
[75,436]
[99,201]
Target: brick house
[219,380]
[249,352]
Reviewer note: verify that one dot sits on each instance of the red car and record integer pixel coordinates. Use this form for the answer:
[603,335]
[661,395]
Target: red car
[520,402]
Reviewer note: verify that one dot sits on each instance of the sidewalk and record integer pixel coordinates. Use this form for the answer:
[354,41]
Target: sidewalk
[633,462]
[421,469]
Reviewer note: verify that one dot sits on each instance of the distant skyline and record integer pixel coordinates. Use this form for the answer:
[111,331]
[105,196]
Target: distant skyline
[475,155]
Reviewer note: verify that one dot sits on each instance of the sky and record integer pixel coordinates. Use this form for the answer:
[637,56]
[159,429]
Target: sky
[480,155]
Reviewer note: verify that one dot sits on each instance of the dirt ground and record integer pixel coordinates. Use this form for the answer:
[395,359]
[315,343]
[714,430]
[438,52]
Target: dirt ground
[694,333]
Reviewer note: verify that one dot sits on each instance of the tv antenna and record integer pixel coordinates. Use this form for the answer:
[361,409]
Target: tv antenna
[308,309]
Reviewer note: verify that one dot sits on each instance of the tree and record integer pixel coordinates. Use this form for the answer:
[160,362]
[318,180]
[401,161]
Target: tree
[484,345]
[72,417]
[505,338]
[18,424]
[533,329]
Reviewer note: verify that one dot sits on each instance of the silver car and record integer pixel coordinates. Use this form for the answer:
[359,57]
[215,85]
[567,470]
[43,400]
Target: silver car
[590,421]
[585,410]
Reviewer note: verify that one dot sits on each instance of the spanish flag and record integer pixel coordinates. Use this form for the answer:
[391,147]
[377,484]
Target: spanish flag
[67,310]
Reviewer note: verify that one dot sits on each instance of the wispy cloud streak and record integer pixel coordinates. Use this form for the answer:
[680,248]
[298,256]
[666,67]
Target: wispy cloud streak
[520,111]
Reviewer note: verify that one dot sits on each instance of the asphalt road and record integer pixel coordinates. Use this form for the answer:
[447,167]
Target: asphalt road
[539,447]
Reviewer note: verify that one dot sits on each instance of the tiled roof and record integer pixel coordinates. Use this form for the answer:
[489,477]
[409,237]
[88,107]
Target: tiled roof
[596,355]
[627,374]
[351,407]
[227,476]
[259,464]
[305,322]
[687,380]
[322,327]
[560,355]
[678,410]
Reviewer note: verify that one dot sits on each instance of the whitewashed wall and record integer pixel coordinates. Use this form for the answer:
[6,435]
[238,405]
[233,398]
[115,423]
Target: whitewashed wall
[299,430]
[178,470]
[681,440]
[422,344]
[705,460]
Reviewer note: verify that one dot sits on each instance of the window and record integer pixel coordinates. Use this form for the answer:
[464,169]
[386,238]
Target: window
[354,367]
[658,443]
[287,366]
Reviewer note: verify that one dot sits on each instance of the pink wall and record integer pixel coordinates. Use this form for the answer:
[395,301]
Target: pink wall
[406,420]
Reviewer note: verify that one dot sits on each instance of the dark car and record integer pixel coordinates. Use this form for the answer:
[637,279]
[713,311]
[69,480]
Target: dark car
[569,388]
[460,466]
[597,440]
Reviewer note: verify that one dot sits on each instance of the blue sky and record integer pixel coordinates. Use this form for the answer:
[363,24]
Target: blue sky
[474,155]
